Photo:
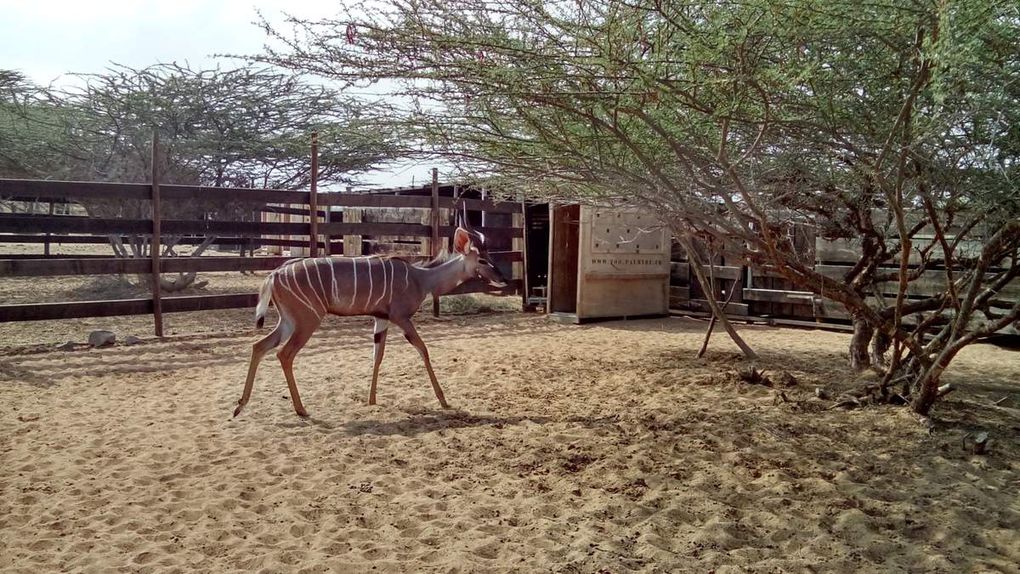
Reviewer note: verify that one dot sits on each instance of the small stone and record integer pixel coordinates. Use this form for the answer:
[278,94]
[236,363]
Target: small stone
[101,338]
[68,346]
[131,340]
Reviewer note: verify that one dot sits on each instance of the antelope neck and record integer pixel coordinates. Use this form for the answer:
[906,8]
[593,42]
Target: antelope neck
[444,277]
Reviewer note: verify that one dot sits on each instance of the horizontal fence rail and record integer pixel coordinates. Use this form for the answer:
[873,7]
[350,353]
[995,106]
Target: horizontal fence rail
[34,190]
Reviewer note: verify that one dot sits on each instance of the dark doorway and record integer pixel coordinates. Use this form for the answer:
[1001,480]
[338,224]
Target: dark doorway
[564,243]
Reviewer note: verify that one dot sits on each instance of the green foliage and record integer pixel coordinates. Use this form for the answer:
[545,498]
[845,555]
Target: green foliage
[29,130]
[638,98]
[240,127]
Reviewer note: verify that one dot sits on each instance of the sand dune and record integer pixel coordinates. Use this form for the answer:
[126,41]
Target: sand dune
[572,449]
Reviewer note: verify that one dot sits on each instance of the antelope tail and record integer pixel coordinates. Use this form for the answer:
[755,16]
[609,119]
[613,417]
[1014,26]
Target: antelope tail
[265,296]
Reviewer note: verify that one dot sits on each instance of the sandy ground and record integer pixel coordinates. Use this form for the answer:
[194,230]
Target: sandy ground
[602,448]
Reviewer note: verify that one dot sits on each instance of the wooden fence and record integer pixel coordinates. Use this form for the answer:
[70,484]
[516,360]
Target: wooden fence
[317,233]
[760,293]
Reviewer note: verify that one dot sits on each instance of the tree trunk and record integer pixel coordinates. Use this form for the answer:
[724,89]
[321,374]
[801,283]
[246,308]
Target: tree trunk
[717,311]
[926,390]
[860,359]
[879,345]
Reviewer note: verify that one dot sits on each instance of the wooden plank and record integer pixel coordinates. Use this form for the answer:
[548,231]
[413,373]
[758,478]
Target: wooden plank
[779,296]
[930,283]
[725,272]
[836,251]
[825,326]
[328,239]
[85,190]
[79,309]
[372,200]
[496,233]
[680,293]
[183,227]
[74,224]
[46,189]
[234,194]
[481,205]
[71,224]
[730,309]
[104,240]
[106,266]
[290,210]
[46,247]
[708,315]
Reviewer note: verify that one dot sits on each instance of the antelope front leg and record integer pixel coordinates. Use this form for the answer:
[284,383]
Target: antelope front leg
[381,328]
[411,334]
[259,350]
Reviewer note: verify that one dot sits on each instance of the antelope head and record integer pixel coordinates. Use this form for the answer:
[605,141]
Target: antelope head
[471,244]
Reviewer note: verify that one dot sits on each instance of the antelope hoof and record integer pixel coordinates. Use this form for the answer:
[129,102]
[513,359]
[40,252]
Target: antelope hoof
[301,413]
[237,411]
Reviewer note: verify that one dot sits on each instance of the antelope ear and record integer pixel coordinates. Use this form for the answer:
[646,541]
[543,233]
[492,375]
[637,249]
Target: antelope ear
[461,241]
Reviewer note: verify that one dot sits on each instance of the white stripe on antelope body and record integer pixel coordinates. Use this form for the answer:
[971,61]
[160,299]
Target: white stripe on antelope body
[306,290]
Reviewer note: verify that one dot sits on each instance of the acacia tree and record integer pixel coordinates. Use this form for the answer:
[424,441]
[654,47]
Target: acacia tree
[889,125]
[241,127]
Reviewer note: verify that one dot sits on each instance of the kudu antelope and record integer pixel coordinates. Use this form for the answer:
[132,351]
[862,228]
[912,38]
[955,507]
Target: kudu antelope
[389,289]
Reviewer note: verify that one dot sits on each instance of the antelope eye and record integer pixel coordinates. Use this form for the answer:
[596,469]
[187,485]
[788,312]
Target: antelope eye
[483,261]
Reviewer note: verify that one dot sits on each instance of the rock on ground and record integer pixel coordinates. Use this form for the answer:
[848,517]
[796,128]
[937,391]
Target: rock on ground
[101,338]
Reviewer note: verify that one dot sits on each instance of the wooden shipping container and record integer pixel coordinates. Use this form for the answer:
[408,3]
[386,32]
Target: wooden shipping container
[606,263]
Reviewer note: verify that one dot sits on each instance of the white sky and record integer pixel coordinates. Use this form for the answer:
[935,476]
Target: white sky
[45,39]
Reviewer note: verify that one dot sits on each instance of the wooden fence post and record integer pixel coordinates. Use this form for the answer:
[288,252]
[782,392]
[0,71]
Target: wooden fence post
[154,246]
[326,238]
[46,246]
[352,243]
[313,202]
[434,246]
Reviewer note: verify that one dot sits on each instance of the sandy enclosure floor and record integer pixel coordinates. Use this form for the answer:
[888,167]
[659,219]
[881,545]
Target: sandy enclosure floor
[572,449]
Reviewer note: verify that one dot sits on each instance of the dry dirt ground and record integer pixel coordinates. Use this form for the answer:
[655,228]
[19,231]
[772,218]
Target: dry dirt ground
[600,448]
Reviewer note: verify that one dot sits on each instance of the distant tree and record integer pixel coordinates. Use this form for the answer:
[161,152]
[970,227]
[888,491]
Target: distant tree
[241,127]
[893,125]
